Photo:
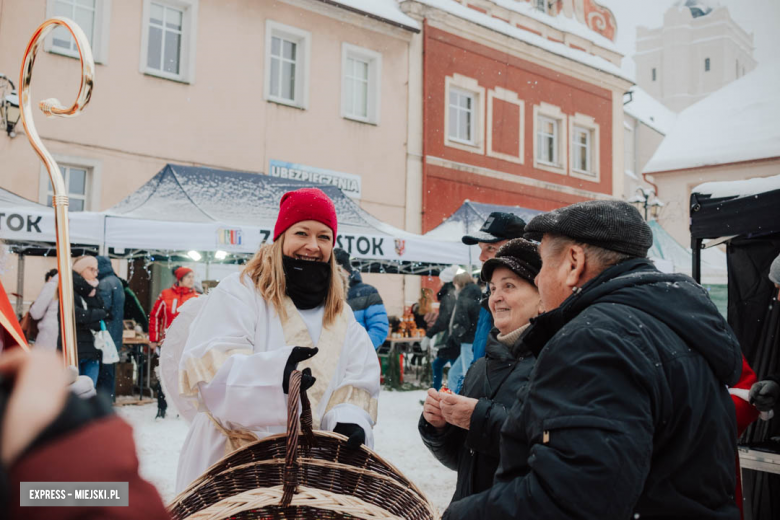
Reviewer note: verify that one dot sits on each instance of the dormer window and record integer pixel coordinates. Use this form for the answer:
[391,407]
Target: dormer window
[540,5]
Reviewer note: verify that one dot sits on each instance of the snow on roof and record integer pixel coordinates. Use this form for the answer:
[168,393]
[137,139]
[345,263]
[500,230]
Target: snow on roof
[649,111]
[746,188]
[385,9]
[510,30]
[197,194]
[737,123]
[560,22]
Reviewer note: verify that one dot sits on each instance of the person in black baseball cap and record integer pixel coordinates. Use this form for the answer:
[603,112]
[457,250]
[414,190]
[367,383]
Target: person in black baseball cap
[498,229]
[627,413]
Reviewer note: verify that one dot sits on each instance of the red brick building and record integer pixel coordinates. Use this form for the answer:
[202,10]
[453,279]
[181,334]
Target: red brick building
[522,104]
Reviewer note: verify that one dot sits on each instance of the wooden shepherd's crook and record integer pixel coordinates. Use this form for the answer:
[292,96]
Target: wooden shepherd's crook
[52,108]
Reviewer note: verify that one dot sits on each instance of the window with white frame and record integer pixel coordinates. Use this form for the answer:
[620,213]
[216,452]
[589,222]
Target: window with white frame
[168,44]
[540,5]
[361,80]
[82,182]
[547,140]
[92,16]
[550,150]
[461,108]
[77,184]
[585,147]
[287,56]
[464,113]
[581,141]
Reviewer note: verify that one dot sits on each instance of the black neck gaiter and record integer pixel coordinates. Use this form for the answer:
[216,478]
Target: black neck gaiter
[307,281]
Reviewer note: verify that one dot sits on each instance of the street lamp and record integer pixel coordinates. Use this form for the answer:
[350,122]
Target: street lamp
[9,108]
[646,199]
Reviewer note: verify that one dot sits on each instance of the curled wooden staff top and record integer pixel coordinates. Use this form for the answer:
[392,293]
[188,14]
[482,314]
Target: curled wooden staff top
[53,108]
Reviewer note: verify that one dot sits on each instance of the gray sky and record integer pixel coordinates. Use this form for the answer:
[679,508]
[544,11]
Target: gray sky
[761,17]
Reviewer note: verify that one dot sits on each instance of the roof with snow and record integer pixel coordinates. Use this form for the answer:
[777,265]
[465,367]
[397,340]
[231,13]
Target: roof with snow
[737,123]
[561,49]
[205,209]
[746,188]
[649,111]
[560,22]
[384,10]
[196,194]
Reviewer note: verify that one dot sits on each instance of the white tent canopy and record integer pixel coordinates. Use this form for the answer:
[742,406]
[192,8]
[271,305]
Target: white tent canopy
[670,256]
[192,208]
[26,222]
[468,219]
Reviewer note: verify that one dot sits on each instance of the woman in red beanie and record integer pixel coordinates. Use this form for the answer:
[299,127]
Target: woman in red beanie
[167,306]
[243,340]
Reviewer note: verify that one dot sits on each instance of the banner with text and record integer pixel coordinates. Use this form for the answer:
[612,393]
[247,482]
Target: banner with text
[348,183]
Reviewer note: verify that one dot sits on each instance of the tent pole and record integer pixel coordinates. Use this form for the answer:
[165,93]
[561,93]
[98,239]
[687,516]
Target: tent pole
[20,284]
[696,259]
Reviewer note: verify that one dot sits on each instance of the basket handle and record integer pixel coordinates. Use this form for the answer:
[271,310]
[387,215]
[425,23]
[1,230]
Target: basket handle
[295,396]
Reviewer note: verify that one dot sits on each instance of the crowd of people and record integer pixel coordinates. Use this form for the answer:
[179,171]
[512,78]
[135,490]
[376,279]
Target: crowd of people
[584,382]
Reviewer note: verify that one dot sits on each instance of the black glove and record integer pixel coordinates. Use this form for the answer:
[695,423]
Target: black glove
[356,435]
[297,355]
[764,395]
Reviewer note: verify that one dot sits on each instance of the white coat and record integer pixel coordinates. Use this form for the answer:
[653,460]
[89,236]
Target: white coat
[233,362]
[46,309]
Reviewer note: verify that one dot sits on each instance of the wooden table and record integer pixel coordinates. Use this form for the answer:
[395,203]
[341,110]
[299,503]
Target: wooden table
[404,343]
[137,347]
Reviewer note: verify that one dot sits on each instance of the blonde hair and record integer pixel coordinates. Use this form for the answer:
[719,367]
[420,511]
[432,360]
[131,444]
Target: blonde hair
[266,270]
[463,279]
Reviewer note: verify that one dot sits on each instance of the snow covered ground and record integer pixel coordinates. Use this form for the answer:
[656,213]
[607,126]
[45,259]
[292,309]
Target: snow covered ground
[396,439]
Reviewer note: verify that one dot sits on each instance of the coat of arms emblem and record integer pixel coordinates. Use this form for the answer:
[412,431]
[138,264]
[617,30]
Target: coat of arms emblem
[400,246]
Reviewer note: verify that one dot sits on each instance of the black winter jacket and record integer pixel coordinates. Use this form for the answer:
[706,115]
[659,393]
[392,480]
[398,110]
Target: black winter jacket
[89,311]
[446,297]
[465,317]
[627,414]
[495,381]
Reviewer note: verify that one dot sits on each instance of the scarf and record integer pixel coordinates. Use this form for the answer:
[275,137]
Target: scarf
[511,338]
[307,282]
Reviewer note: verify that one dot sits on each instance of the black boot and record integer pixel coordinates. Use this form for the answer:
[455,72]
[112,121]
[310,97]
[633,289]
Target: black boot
[162,404]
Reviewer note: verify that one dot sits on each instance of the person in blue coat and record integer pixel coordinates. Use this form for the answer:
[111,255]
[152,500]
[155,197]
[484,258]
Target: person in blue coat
[365,301]
[113,294]
[498,229]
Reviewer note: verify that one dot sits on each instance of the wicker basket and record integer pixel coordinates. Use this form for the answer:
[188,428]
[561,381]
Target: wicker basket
[309,476]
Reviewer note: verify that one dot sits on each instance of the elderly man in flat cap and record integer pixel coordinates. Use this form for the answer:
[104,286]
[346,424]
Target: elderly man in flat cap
[627,413]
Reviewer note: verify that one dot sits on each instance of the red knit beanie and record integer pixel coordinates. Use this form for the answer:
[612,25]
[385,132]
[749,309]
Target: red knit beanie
[305,204]
[181,272]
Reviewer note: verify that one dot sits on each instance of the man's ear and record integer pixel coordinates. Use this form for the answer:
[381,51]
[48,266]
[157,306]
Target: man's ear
[574,261]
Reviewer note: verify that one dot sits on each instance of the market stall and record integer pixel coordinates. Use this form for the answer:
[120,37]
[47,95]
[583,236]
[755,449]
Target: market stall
[745,215]
[185,208]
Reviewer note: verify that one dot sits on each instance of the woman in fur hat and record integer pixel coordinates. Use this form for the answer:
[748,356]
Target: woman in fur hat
[462,431]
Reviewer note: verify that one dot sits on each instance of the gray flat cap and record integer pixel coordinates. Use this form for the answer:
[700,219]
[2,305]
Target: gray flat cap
[609,224]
